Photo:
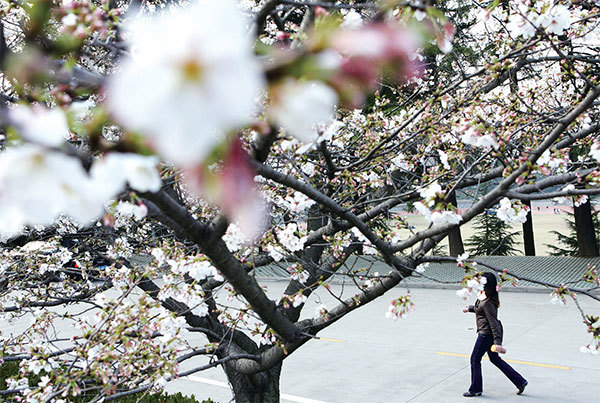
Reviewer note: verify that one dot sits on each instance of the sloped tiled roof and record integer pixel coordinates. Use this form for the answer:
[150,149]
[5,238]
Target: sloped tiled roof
[548,269]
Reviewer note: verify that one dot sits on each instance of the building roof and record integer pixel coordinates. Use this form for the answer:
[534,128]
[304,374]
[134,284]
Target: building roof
[546,269]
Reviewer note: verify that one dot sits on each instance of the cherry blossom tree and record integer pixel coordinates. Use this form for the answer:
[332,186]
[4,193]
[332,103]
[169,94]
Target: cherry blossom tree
[216,137]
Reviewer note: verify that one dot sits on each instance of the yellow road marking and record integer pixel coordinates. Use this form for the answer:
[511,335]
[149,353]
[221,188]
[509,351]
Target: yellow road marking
[328,339]
[534,364]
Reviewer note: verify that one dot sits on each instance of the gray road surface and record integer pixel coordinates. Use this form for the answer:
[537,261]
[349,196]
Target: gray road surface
[424,358]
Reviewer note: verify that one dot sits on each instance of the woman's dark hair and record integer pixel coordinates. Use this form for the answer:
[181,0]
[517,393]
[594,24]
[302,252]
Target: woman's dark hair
[490,288]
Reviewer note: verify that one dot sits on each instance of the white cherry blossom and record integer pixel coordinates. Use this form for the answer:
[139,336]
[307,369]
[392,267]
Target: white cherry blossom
[443,159]
[476,283]
[352,19]
[81,110]
[235,238]
[473,137]
[430,192]
[159,255]
[557,20]
[115,169]
[40,125]
[420,15]
[460,259]
[299,299]
[202,83]
[299,106]
[525,26]
[445,217]
[552,162]
[511,213]
[288,238]
[200,270]
[297,202]
[423,210]
[276,253]
[567,188]
[132,210]
[38,185]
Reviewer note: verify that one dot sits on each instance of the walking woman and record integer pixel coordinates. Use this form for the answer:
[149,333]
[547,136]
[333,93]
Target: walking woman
[489,338]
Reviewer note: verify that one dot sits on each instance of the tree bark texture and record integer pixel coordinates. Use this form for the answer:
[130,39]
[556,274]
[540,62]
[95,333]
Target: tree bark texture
[586,236]
[256,388]
[528,239]
[454,237]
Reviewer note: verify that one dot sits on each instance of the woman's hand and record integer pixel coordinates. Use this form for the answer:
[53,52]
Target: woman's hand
[497,348]
[466,309]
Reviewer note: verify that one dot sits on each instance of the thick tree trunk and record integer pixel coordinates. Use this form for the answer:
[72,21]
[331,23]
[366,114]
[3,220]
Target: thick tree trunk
[586,235]
[454,237]
[528,240]
[256,388]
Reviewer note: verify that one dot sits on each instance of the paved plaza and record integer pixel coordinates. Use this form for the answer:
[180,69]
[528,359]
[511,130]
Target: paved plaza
[425,358]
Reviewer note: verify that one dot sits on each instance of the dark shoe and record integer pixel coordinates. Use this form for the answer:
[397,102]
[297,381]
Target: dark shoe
[522,388]
[471,394]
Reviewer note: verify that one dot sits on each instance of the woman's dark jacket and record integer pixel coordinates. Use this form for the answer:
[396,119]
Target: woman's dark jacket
[486,315]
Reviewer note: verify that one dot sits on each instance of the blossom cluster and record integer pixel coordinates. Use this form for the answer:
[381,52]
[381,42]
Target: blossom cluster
[592,276]
[121,327]
[512,212]
[554,19]
[475,137]
[400,307]
[289,239]
[81,18]
[191,87]
[559,295]
[593,324]
[298,273]
[577,200]
[555,162]
[472,282]
[296,202]
[505,278]
[434,208]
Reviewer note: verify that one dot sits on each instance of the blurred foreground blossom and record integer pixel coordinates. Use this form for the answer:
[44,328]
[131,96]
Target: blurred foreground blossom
[116,169]
[300,106]
[231,186]
[367,52]
[192,78]
[38,185]
[40,125]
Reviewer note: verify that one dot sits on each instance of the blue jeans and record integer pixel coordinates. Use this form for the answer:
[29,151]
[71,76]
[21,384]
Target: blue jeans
[483,345]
